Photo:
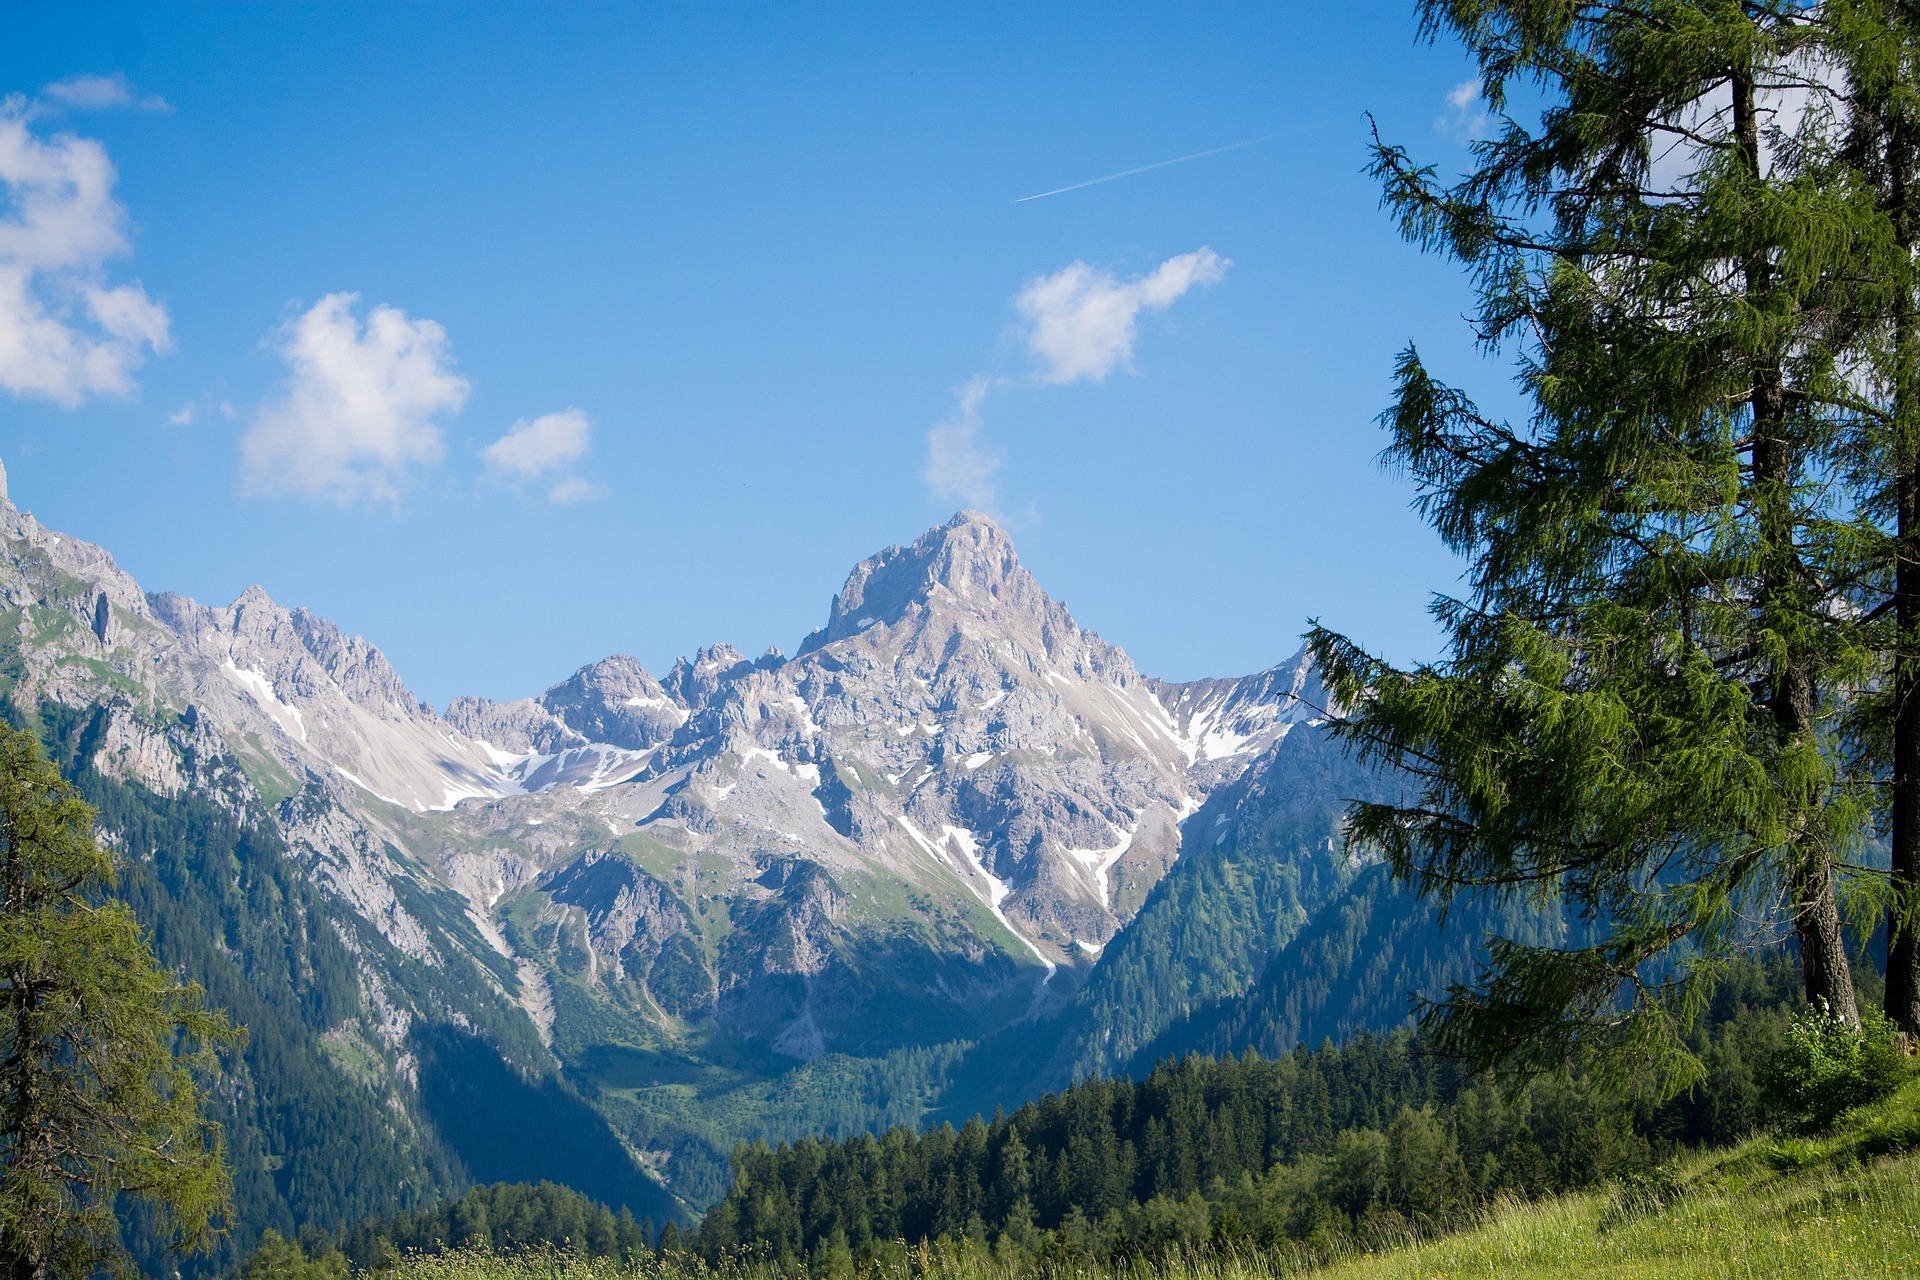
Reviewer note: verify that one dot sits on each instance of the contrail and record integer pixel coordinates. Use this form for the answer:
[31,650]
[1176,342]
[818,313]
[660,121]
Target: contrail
[1161,164]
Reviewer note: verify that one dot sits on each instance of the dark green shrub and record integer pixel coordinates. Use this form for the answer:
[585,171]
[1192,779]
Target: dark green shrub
[1825,1068]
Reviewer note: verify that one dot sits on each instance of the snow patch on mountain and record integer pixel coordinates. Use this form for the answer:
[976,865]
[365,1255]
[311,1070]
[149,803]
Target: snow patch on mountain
[1099,864]
[257,684]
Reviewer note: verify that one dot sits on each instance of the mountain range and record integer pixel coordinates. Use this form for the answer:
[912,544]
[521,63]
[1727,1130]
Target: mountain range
[955,850]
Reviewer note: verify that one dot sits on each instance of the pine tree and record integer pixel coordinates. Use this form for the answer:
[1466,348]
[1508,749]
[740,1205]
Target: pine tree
[95,1102]
[1637,710]
[276,1258]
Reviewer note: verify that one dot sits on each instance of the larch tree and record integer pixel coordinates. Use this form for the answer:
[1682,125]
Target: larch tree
[99,1048]
[1638,713]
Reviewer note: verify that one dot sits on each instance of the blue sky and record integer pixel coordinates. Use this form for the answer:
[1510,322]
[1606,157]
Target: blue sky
[748,291]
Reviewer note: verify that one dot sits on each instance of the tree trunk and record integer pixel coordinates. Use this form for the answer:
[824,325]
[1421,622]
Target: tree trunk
[22,1133]
[1815,913]
[1824,968]
[1903,937]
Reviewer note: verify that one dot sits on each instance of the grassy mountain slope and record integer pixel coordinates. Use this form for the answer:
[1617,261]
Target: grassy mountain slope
[1844,1205]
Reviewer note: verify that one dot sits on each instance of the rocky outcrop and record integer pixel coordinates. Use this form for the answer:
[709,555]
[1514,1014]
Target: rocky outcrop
[127,748]
[635,924]
[356,866]
[520,727]
[693,682]
[616,701]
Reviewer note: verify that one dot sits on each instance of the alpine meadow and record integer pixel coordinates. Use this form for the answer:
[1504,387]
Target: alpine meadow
[1526,391]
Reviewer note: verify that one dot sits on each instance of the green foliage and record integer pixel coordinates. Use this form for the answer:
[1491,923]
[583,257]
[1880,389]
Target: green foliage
[1362,963]
[1637,714]
[503,1218]
[1726,1213]
[100,1047]
[1825,1068]
[277,1258]
[1872,151]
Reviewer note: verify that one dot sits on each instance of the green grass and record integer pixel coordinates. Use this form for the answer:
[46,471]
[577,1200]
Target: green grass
[270,779]
[1857,1222]
[1844,1204]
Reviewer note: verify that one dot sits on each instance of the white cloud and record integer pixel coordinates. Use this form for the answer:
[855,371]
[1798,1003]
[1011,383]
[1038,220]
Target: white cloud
[1465,118]
[532,449]
[202,408]
[66,334]
[575,490]
[1082,321]
[88,92]
[959,469]
[358,411]
[549,443]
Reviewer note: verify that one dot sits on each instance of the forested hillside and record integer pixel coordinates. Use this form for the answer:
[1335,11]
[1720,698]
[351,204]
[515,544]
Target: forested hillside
[1317,1146]
[1360,965]
[503,1218]
[1260,862]
[1841,1206]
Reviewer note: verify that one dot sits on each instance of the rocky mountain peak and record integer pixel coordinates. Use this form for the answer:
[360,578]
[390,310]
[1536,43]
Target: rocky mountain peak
[620,671]
[617,701]
[968,563]
[691,683]
[517,727]
[294,646]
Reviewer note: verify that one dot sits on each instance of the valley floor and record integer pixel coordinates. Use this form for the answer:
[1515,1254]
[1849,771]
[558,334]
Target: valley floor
[1847,1204]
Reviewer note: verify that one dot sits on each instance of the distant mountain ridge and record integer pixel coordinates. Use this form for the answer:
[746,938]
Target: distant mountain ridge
[953,816]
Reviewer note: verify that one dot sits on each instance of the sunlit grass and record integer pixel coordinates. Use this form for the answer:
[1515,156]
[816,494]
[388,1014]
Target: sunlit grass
[1831,1224]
